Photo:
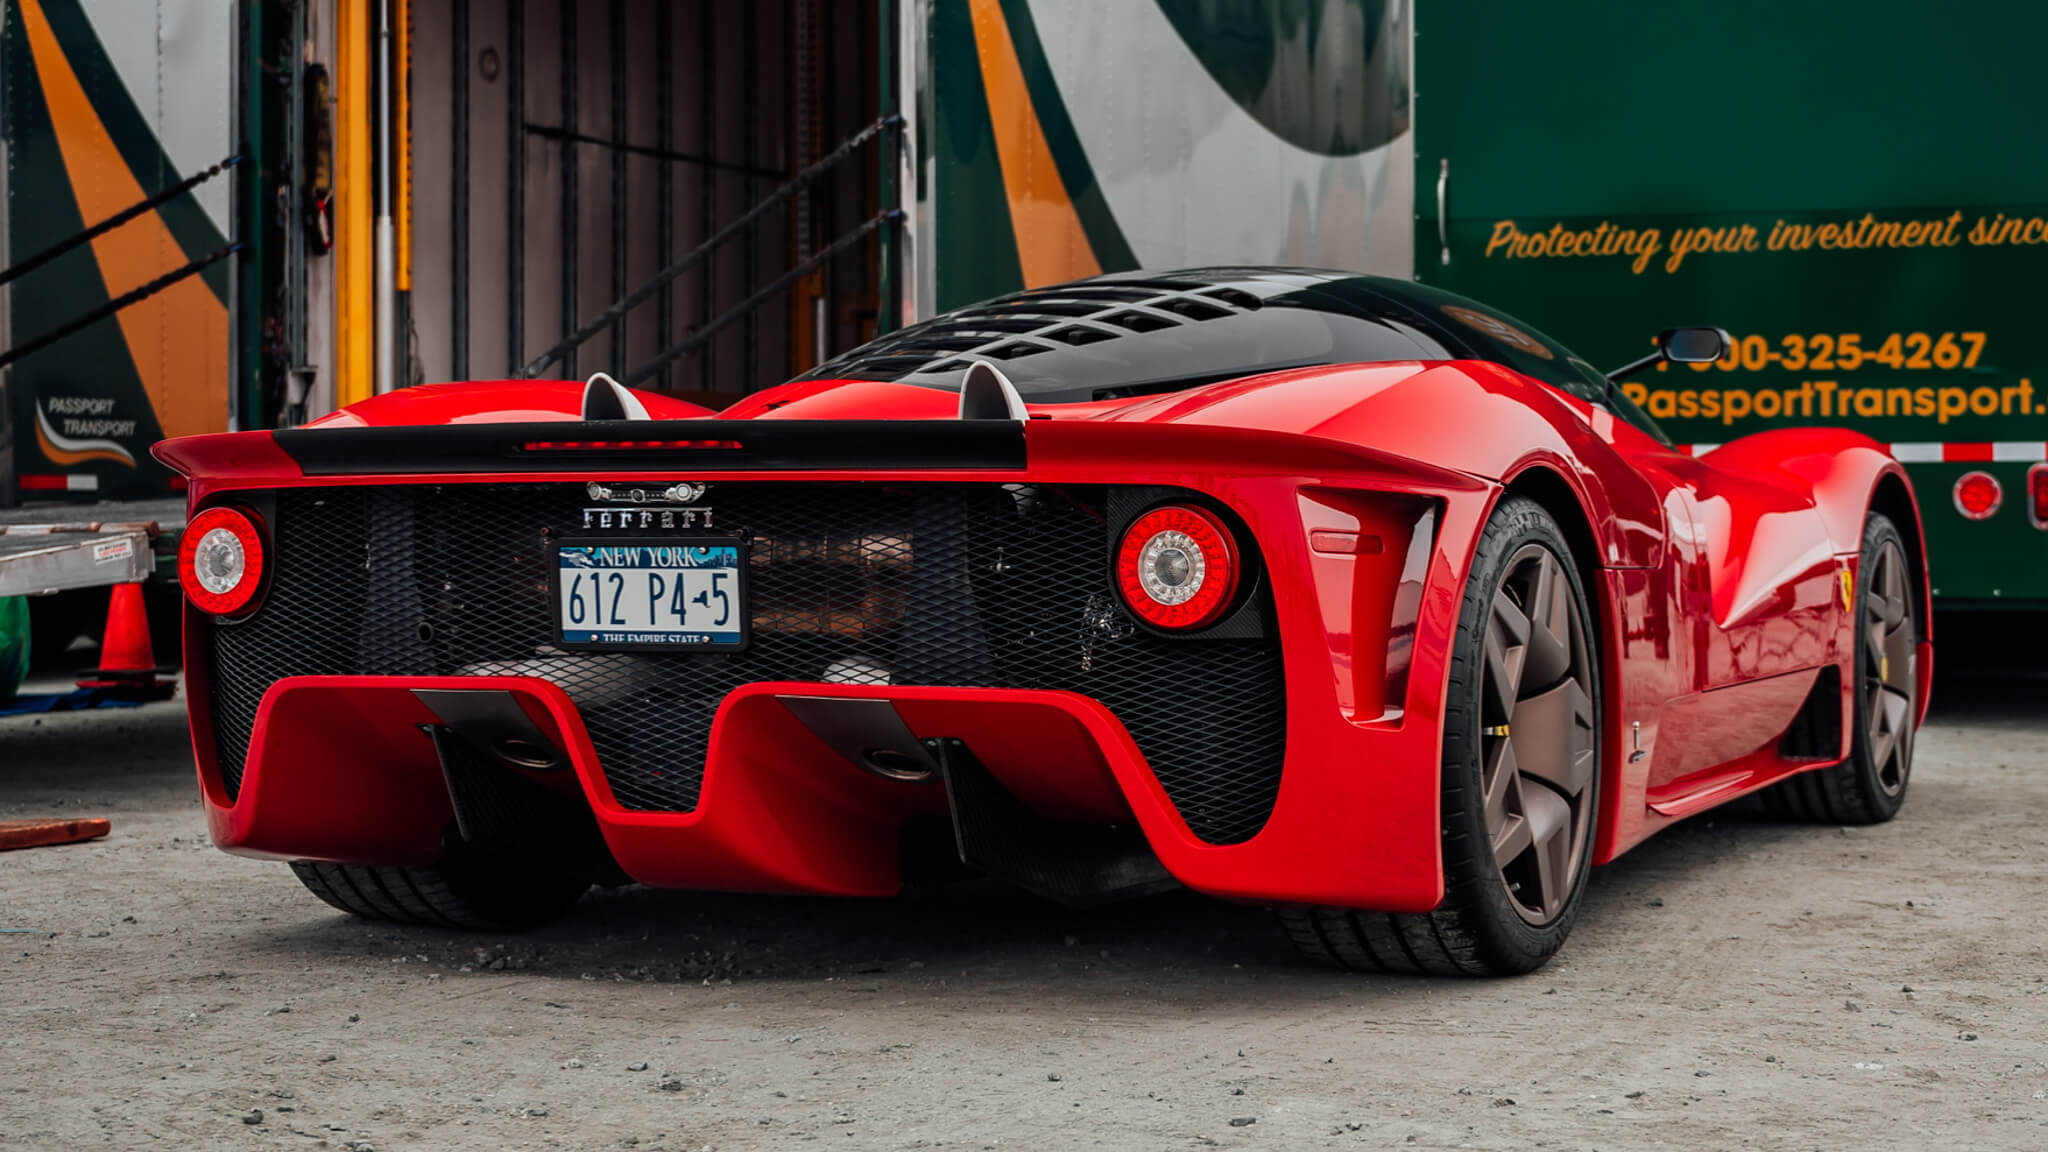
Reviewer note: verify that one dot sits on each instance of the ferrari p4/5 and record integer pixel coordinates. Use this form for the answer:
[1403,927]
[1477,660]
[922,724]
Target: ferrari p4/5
[1334,594]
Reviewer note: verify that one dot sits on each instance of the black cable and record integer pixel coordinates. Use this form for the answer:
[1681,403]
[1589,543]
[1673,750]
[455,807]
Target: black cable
[115,305]
[690,343]
[639,295]
[36,261]
[550,132]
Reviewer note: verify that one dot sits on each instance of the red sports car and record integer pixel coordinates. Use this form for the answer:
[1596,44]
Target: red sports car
[1330,593]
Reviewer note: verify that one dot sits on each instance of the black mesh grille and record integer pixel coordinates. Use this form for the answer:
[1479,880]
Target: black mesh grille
[965,584]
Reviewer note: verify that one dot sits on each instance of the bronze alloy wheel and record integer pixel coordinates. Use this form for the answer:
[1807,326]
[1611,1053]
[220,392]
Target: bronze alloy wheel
[1519,784]
[1536,734]
[1890,666]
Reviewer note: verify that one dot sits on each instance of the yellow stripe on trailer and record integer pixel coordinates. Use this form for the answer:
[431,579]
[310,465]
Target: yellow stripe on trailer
[354,235]
[401,99]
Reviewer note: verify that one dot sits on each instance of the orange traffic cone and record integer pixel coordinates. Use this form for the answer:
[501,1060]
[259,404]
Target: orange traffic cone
[128,667]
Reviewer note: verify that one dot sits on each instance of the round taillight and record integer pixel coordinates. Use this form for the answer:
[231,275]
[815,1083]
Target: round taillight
[1177,567]
[220,560]
[1978,495]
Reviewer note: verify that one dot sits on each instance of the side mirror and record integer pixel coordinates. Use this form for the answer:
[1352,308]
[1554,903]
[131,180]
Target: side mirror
[1680,346]
[1693,345]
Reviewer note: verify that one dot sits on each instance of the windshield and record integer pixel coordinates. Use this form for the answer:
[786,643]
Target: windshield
[1489,334]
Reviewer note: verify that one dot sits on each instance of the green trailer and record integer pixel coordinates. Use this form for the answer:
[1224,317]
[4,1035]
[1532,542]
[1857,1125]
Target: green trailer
[1851,192]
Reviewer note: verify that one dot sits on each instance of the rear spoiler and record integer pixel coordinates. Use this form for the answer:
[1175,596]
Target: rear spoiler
[659,446]
[565,449]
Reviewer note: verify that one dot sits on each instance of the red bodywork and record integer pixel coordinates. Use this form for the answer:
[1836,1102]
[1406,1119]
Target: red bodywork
[1721,586]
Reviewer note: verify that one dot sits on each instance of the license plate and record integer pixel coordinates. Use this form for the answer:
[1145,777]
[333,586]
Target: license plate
[671,595]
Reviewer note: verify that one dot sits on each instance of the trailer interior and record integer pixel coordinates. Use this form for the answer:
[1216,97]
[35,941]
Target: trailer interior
[685,194]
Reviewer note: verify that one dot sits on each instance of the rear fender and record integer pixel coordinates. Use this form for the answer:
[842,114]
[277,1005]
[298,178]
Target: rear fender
[1839,468]
[1848,474]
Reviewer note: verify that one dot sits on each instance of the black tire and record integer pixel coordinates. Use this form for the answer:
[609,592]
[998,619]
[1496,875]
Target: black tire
[1482,928]
[458,892]
[1870,786]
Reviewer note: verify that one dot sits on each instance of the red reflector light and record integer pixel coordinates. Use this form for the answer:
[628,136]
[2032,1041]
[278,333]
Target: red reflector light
[1177,567]
[220,560]
[59,482]
[625,445]
[1332,542]
[2037,495]
[1978,495]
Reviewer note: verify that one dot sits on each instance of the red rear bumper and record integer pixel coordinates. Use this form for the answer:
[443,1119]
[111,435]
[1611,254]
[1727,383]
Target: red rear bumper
[341,768]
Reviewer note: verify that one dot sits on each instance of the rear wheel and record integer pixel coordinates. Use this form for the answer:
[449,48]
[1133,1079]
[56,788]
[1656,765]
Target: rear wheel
[1520,780]
[1870,786]
[458,892]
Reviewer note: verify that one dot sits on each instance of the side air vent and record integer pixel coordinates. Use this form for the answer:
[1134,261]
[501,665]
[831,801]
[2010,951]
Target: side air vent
[1816,732]
[1079,334]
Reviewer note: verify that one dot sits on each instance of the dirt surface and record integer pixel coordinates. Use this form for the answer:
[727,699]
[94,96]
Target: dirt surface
[1733,983]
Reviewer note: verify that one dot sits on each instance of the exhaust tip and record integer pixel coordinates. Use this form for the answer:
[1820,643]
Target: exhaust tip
[890,764]
[525,753]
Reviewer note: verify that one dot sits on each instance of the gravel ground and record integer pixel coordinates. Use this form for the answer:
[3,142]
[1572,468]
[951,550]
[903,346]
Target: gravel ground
[1734,983]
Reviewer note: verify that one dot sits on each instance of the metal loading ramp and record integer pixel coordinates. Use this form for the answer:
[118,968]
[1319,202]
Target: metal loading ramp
[50,549]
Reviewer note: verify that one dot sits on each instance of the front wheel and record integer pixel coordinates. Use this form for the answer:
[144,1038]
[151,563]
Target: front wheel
[1520,780]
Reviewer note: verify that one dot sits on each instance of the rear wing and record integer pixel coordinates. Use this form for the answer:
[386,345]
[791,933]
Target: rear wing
[1057,449]
[641,445]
